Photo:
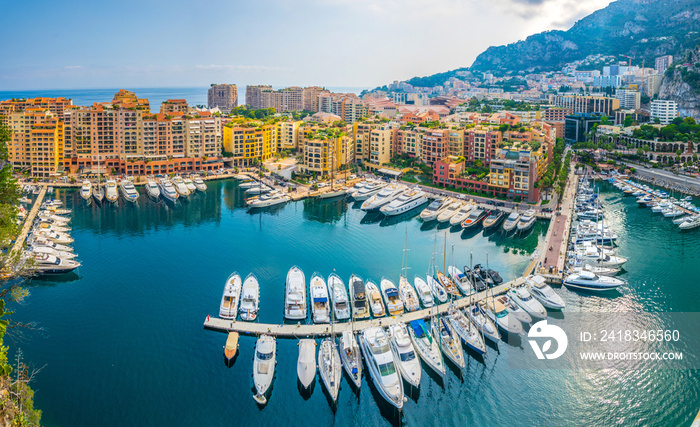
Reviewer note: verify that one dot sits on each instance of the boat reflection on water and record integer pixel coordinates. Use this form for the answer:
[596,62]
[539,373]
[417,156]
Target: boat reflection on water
[327,211]
[372,218]
[234,196]
[269,210]
[393,220]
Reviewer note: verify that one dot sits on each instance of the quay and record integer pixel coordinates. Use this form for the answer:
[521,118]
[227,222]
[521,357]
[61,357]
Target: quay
[19,241]
[320,330]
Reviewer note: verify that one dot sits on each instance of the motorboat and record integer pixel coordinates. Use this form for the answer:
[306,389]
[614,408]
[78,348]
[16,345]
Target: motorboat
[180,186]
[681,219]
[339,295]
[494,219]
[351,357]
[592,282]
[190,185]
[511,222]
[49,264]
[248,183]
[36,241]
[152,188]
[250,298]
[408,295]
[374,296]
[385,196]
[487,327]
[527,220]
[55,210]
[38,249]
[391,297]
[128,191]
[450,342]
[376,349]
[59,238]
[295,295]
[447,284]
[522,297]
[514,309]
[358,298]
[86,190]
[199,183]
[358,186]
[98,193]
[261,189]
[498,313]
[329,367]
[405,354]
[461,280]
[426,345]
[167,189]
[333,193]
[407,201]
[543,293]
[53,227]
[320,309]
[467,330]
[691,223]
[424,293]
[673,212]
[368,191]
[451,211]
[594,256]
[461,214]
[306,363]
[601,271]
[269,199]
[112,194]
[231,297]
[435,208]
[475,217]
[231,346]
[264,366]
[479,277]
[437,289]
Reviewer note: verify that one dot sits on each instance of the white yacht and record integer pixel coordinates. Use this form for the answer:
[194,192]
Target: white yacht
[199,183]
[368,191]
[592,282]
[264,366]
[250,298]
[543,293]
[594,256]
[511,222]
[424,293]
[180,186]
[467,330]
[112,194]
[434,209]
[404,354]
[436,287]
[358,298]
[475,217]
[478,316]
[382,365]
[86,190]
[231,297]
[451,211]
[374,296]
[295,295]
[357,187]
[460,279]
[152,188]
[461,215]
[385,196]
[51,227]
[449,341]
[426,345]
[167,189]
[269,199]
[689,224]
[514,309]
[49,264]
[248,183]
[407,201]
[190,185]
[339,297]
[351,357]
[499,314]
[43,241]
[329,367]
[391,297]
[261,189]
[128,190]
[408,295]
[527,302]
[527,220]
[60,238]
[38,249]
[306,364]
[320,309]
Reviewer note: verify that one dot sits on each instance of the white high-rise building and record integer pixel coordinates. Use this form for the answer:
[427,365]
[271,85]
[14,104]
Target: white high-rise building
[665,111]
[629,99]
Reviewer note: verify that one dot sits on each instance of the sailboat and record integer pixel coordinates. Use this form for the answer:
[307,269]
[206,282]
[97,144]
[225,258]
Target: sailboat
[333,193]
[426,345]
[329,365]
[351,357]
[406,292]
[449,341]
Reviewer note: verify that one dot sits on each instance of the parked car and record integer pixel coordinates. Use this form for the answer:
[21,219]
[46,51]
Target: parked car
[547,210]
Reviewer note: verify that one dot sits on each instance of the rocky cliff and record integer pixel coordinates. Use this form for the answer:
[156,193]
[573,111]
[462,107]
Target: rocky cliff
[682,84]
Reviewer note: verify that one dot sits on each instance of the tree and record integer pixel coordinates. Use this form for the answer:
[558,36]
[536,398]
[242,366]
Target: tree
[9,195]
[628,121]
[604,120]
[640,152]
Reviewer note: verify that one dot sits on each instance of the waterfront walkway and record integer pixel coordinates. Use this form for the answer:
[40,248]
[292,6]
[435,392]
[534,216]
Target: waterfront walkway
[19,241]
[319,330]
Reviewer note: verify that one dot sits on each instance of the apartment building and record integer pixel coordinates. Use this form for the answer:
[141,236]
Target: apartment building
[380,143]
[556,114]
[435,145]
[287,135]
[665,111]
[223,96]
[37,142]
[662,63]
[516,172]
[481,143]
[250,144]
[54,105]
[326,150]
[288,99]
[174,106]
[588,104]
[629,99]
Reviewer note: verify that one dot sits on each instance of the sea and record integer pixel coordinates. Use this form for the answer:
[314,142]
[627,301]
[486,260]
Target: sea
[195,96]
[121,340]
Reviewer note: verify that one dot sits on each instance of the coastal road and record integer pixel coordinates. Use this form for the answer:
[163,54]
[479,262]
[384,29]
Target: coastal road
[666,178]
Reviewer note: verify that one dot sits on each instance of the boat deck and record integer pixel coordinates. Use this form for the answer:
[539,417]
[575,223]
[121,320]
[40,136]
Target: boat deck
[314,330]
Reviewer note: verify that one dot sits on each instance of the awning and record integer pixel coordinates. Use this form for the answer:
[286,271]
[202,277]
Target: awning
[389,172]
[320,299]
[392,292]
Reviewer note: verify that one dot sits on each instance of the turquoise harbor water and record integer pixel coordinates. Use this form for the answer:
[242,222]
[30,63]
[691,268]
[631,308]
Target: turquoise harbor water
[123,342]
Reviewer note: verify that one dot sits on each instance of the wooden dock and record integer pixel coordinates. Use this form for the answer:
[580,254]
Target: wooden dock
[319,330]
[19,241]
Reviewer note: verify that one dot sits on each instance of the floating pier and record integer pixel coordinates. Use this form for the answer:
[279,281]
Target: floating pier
[19,241]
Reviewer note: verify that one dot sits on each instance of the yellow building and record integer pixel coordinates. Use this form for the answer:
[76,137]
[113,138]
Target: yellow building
[37,143]
[326,150]
[248,143]
[380,145]
[287,135]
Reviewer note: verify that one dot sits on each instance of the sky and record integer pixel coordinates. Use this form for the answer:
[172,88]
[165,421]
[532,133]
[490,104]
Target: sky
[75,44]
